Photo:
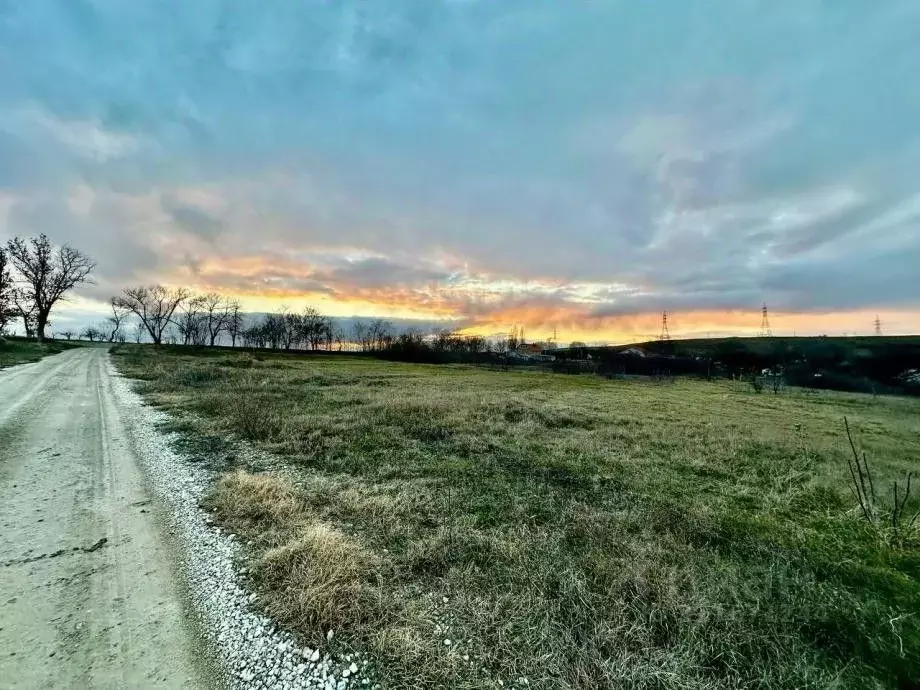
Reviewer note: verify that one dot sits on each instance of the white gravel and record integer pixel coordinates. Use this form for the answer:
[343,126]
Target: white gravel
[248,646]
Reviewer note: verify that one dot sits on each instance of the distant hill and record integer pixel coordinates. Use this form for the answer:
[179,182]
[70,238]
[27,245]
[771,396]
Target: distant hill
[864,363]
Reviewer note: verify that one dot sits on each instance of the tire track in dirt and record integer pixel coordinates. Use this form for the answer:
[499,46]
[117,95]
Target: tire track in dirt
[88,590]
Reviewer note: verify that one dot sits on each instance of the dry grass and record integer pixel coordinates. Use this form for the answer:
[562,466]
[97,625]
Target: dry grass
[311,574]
[15,351]
[321,580]
[585,533]
[255,503]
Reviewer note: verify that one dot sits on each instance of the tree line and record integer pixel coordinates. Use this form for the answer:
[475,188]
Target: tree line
[36,275]
[175,315]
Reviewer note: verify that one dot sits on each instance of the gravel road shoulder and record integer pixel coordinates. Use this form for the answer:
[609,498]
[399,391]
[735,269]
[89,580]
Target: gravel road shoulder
[111,575]
[248,646]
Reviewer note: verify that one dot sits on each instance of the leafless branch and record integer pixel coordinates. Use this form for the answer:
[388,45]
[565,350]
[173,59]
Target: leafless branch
[153,305]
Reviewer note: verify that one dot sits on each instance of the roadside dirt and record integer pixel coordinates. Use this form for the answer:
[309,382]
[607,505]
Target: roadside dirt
[88,589]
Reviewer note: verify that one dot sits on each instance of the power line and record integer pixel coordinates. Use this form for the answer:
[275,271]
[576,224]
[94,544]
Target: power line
[665,333]
[765,330]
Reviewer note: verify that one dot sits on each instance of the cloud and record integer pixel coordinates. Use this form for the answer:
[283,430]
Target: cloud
[475,160]
[193,219]
[376,272]
[85,138]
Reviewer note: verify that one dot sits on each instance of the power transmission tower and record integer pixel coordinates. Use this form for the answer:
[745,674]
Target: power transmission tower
[665,334]
[878,325]
[765,330]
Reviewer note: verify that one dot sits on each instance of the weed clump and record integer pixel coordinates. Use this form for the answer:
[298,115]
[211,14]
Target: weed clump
[320,580]
[255,502]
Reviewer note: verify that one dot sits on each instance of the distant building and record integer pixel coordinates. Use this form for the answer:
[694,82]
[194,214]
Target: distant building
[530,348]
[531,352]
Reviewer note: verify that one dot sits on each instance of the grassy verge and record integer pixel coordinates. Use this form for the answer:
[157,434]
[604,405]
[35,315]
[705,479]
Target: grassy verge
[21,351]
[468,526]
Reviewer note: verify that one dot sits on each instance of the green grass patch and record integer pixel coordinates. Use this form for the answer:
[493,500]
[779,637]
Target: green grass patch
[15,351]
[585,533]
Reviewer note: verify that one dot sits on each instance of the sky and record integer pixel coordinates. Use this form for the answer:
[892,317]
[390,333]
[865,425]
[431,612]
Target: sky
[572,166]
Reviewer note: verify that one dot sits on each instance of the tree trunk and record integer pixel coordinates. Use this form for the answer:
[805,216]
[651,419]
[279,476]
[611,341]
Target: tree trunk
[40,322]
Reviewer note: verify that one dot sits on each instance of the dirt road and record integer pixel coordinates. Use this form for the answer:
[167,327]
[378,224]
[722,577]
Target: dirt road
[88,592]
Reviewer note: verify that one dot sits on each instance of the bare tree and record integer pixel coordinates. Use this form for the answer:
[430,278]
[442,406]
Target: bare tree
[190,321]
[234,322]
[255,336]
[92,334]
[380,334]
[288,328]
[339,337]
[25,310]
[578,349]
[449,341]
[441,340]
[215,315]
[7,307]
[272,331]
[47,273]
[115,321]
[315,328]
[68,334]
[359,332]
[154,306]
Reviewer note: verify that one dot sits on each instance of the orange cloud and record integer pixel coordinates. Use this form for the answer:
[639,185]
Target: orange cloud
[575,324]
[488,305]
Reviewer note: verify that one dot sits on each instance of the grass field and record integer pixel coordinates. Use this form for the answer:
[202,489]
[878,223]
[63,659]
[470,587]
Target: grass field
[466,526]
[21,351]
